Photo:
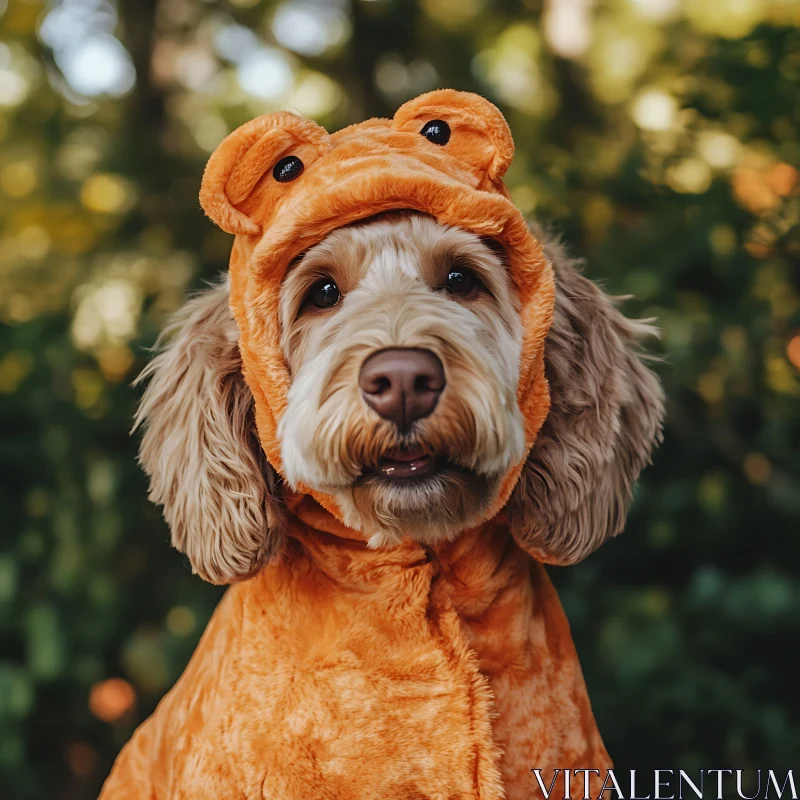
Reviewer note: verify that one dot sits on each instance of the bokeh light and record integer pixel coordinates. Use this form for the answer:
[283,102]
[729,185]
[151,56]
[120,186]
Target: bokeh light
[111,699]
[265,73]
[91,59]
[310,29]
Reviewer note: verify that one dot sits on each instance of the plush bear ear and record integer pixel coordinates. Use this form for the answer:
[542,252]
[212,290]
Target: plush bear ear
[249,155]
[606,410]
[479,135]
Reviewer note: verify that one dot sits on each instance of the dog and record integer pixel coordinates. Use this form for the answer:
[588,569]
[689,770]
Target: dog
[379,427]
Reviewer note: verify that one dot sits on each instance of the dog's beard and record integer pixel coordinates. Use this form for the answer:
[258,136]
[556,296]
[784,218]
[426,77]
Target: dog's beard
[429,508]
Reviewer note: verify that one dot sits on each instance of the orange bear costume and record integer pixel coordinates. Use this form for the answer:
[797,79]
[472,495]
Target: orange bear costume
[338,671]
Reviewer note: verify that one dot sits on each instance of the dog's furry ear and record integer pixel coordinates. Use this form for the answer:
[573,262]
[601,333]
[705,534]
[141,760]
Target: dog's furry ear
[200,447]
[605,417]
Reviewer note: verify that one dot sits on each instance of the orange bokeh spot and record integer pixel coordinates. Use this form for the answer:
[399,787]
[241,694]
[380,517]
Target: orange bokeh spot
[759,188]
[782,179]
[111,699]
[793,350]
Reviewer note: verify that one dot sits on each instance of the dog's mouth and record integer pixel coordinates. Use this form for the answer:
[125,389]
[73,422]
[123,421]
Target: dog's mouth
[410,465]
[412,486]
[406,463]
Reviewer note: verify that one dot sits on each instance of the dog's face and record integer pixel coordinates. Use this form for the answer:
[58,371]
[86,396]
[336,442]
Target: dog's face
[403,342]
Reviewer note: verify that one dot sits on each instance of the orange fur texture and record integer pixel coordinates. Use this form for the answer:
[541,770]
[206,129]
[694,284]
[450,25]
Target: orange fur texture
[340,671]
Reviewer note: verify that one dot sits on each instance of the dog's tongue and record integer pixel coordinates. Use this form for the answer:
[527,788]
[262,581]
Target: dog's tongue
[405,455]
[405,463]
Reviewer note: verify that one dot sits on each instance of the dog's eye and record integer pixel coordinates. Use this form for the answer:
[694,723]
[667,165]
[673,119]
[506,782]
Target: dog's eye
[436,131]
[324,293]
[287,169]
[462,282]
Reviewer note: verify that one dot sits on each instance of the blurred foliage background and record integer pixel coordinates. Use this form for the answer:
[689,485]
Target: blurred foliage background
[661,137]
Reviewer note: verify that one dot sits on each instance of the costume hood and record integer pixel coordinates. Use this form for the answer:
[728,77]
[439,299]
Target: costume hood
[372,167]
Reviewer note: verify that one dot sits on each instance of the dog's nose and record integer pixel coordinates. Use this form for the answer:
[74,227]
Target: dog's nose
[402,384]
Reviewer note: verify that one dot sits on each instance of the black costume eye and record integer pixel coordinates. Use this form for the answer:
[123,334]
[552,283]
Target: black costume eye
[324,293]
[287,169]
[461,281]
[436,131]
